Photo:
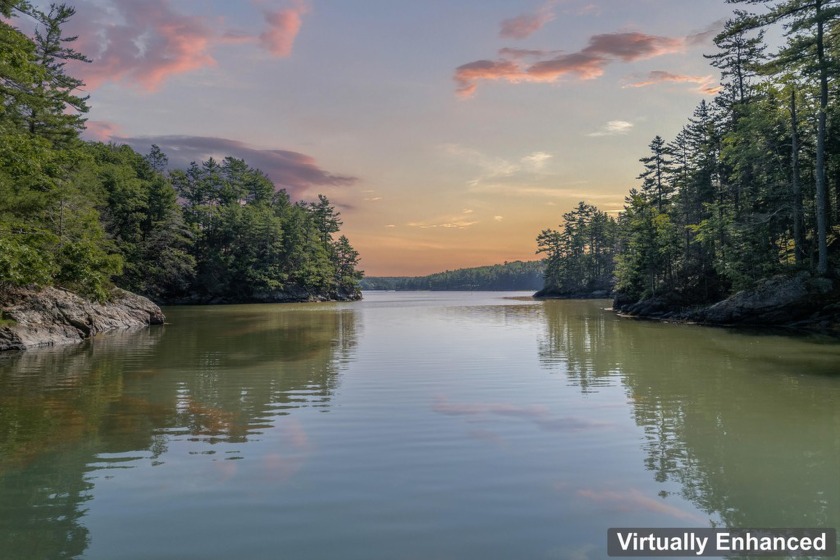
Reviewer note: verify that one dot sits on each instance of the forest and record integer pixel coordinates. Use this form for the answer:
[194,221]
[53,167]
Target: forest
[87,216]
[517,275]
[747,190]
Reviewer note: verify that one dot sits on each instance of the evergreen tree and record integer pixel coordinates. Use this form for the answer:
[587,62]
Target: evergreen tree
[806,22]
[739,57]
[84,215]
[252,242]
[655,184]
[49,223]
[57,114]
[157,160]
[579,258]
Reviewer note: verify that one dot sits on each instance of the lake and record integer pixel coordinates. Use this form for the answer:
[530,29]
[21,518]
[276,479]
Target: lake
[410,425]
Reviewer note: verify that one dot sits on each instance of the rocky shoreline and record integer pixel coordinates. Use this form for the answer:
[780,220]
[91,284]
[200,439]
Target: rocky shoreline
[278,296]
[550,294]
[799,302]
[53,316]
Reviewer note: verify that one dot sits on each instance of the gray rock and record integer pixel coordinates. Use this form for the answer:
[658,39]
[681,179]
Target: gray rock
[800,302]
[778,300]
[54,316]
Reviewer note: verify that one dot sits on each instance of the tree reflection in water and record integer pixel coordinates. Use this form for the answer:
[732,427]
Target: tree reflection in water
[70,415]
[747,424]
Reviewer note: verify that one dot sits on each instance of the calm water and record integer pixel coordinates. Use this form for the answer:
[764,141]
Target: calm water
[410,426]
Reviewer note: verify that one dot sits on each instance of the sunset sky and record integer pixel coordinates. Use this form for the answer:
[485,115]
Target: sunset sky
[447,132]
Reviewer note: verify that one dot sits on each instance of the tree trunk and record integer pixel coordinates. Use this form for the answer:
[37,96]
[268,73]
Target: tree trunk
[822,226]
[796,187]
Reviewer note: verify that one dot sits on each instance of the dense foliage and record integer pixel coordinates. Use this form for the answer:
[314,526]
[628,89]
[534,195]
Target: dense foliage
[579,258]
[749,188]
[517,275]
[87,216]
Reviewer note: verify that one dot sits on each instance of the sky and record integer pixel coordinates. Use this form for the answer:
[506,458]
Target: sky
[448,133]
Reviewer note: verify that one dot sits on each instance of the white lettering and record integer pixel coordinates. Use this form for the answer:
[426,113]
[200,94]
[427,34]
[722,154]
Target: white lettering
[752,543]
[783,541]
[805,543]
[701,542]
[767,544]
[722,541]
[792,543]
[649,539]
[819,543]
[625,543]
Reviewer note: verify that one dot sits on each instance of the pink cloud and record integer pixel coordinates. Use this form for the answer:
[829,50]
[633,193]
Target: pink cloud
[101,131]
[517,54]
[467,75]
[487,436]
[705,84]
[588,10]
[704,37]
[632,46]
[283,27]
[295,434]
[540,415]
[523,25]
[296,172]
[151,43]
[296,451]
[147,43]
[633,500]
[586,64]
[236,38]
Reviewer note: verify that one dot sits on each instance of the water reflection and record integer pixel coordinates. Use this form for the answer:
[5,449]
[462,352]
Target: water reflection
[73,416]
[748,426]
[580,341]
[51,400]
[234,372]
[540,416]
[226,435]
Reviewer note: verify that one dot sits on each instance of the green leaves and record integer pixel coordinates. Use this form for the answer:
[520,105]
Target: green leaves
[82,215]
[23,264]
[580,256]
[252,242]
[743,191]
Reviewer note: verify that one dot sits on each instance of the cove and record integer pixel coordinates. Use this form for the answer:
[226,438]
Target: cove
[410,425]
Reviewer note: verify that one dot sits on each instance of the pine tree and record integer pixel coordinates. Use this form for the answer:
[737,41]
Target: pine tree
[58,112]
[655,183]
[740,56]
[806,22]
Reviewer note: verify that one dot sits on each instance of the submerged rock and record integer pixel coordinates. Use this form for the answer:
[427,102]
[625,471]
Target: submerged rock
[53,316]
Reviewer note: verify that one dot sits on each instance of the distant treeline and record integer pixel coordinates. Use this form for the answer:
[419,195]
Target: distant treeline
[517,275]
[87,216]
[749,188]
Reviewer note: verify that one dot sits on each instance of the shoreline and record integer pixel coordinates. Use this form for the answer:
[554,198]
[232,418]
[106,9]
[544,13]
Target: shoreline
[36,318]
[33,318]
[797,303]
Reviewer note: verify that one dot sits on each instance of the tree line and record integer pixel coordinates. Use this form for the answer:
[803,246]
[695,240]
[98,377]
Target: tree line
[517,275]
[88,216]
[749,187]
